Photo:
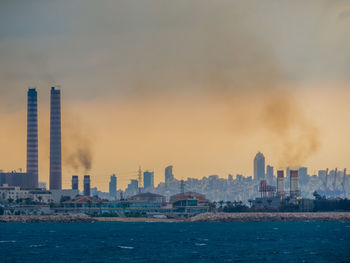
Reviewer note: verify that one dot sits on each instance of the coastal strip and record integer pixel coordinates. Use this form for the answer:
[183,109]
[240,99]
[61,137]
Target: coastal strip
[205,217]
[46,218]
[251,217]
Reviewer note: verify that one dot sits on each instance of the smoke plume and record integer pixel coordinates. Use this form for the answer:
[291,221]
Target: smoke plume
[77,143]
[294,136]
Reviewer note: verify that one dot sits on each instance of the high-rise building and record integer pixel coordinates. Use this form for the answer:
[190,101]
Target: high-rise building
[55,140]
[32,138]
[259,167]
[113,187]
[169,174]
[269,174]
[148,180]
[303,177]
[75,182]
[294,187]
[280,183]
[87,186]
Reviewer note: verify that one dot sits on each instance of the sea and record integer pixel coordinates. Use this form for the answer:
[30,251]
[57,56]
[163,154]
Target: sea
[175,242]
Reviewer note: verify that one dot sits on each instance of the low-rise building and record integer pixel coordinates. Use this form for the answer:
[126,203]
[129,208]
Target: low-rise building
[189,203]
[59,195]
[16,193]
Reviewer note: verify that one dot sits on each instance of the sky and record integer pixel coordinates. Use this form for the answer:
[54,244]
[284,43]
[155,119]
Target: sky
[202,85]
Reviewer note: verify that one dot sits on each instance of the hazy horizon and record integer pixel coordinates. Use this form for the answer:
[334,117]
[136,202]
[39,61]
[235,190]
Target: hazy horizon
[199,85]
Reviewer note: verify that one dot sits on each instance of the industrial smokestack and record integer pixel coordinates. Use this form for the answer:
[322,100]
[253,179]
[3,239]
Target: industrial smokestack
[75,182]
[32,138]
[87,189]
[55,140]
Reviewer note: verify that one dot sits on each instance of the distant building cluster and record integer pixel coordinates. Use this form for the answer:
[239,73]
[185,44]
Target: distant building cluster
[142,195]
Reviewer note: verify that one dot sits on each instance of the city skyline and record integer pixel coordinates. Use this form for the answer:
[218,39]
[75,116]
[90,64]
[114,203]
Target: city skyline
[203,93]
[125,178]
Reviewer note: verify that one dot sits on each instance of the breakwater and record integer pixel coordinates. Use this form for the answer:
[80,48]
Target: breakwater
[246,217]
[46,218]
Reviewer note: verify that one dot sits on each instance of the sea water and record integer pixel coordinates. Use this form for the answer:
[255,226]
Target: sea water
[175,242]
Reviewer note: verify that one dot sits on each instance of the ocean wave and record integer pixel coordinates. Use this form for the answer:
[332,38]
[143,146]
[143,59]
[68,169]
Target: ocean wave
[126,247]
[40,245]
[200,244]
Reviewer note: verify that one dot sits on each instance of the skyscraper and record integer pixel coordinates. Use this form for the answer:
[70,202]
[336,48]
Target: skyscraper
[303,177]
[294,186]
[87,186]
[148,180]
[55,140]
[75,182]
[32,138]
[259,167]
[113,187]
[269,174]
[280,183]
[169,174]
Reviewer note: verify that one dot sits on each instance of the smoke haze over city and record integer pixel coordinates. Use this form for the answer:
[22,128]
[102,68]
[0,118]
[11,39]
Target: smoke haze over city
[202,85]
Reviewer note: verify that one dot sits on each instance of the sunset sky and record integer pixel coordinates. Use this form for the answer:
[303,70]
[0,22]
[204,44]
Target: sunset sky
[202,85]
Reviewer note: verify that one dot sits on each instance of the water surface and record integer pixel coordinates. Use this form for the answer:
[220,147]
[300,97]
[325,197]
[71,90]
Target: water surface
[175,242]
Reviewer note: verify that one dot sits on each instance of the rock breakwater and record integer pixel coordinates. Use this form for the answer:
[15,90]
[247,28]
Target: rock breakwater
[48,218]
[245,217]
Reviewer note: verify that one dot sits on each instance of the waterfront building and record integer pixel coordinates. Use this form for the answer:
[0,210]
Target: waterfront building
[62,194]
[148,197]
[14,194]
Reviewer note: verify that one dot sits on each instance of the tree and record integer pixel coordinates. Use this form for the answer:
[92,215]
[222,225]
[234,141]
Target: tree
[317,195]
[28,201]
[250,201]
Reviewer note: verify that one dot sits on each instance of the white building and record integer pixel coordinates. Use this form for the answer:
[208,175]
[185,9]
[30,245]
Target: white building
[15,193]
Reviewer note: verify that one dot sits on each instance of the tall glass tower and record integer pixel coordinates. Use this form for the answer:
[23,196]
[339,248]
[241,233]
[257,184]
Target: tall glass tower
[32,138]
[259,167]
[55,140]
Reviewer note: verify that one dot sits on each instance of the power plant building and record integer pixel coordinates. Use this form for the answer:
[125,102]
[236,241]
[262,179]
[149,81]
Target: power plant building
[75,182]
[55,140]
[32,138]
[87,187]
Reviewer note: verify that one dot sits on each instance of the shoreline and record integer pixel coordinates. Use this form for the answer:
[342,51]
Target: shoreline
[206,217]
